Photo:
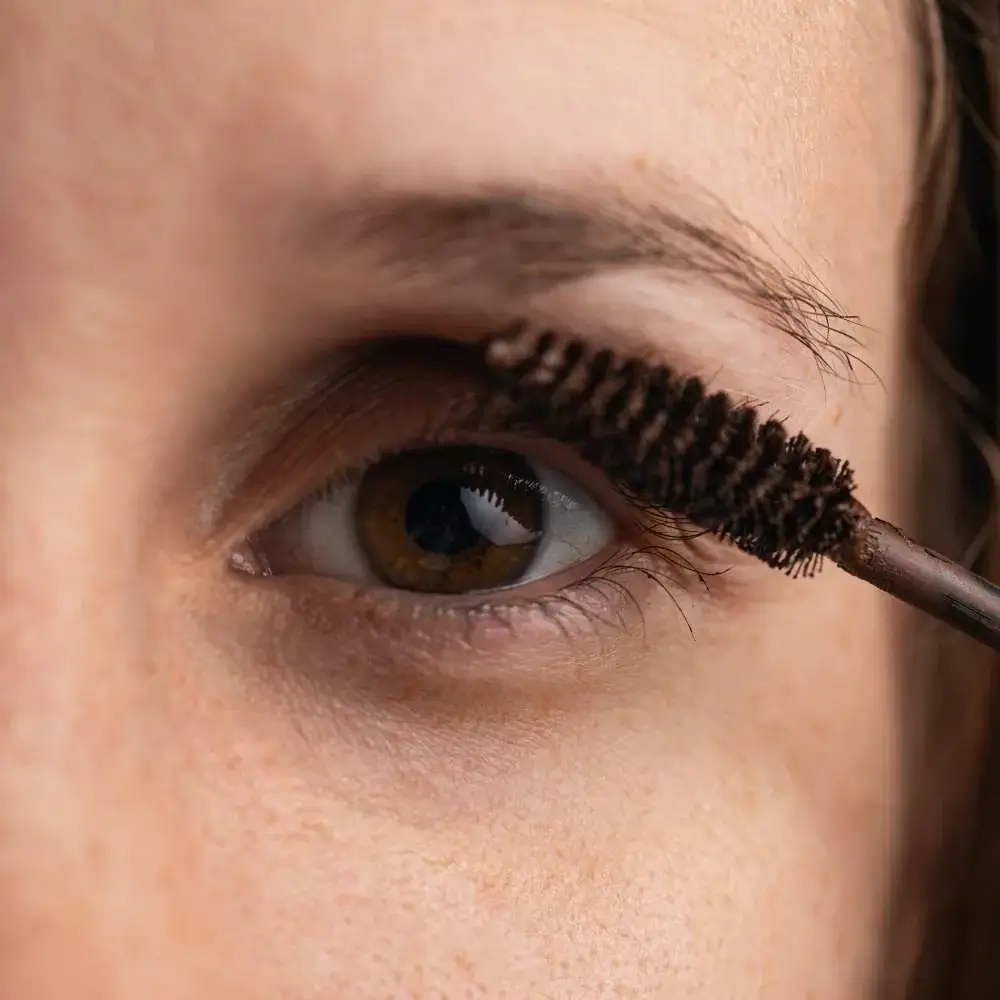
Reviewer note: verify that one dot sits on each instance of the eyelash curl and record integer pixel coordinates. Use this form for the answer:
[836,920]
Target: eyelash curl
[674,446]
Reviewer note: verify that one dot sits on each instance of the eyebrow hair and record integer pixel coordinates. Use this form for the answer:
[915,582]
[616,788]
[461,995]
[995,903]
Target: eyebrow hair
[519,242]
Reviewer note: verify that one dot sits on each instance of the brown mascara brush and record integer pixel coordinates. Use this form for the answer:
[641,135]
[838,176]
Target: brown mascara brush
[705,457]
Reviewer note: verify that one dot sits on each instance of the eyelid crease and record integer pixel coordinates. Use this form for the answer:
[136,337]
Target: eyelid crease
[523,242]
[317,442]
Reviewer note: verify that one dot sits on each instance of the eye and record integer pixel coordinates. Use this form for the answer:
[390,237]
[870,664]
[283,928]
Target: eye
[454,519]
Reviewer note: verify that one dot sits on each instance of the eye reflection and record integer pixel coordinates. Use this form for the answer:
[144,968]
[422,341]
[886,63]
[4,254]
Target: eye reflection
[455,519]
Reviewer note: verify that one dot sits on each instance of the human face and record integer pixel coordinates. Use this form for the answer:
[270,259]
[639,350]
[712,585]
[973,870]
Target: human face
[221,785]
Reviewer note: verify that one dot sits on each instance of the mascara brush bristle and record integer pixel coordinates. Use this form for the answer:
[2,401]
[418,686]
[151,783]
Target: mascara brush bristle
[670,442]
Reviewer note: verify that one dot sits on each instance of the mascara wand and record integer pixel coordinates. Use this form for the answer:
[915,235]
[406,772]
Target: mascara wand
[883,556]
[665,439]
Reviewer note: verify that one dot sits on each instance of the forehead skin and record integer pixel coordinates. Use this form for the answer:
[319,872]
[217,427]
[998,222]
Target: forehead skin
[717,825]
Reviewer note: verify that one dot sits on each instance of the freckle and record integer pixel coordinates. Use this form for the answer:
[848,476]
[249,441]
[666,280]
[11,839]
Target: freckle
[640,163]
[465,963]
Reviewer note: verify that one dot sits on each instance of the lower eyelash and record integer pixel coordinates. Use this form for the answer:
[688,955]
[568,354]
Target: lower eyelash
[670,558]
[612,575]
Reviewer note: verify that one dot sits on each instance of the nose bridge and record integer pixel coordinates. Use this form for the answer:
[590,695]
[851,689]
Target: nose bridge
[69,630]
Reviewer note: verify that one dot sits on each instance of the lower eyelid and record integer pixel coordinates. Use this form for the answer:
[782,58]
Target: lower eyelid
[343,635]
[552,634]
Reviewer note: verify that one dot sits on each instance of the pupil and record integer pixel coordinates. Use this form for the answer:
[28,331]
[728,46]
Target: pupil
[437,519]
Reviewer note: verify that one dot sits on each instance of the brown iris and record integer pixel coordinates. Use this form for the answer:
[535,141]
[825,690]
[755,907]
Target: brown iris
[451,519]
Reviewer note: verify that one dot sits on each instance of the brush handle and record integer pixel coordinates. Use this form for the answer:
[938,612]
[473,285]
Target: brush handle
[881,555]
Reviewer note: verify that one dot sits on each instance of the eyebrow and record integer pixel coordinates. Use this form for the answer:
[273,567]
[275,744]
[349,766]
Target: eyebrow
[519,242]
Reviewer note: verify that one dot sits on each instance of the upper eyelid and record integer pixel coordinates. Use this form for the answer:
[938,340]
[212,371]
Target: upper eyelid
[465,327]
[304,456]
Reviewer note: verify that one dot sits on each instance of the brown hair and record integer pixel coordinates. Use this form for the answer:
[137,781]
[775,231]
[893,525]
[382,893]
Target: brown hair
[945,940]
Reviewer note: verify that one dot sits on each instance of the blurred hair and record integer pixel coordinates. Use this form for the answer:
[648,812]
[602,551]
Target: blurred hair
[945,924]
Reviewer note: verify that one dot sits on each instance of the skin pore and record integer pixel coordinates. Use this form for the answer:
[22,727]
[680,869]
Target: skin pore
[215,785]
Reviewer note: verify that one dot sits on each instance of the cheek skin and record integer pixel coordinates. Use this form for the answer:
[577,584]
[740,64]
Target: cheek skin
[184,810]
[574,857]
